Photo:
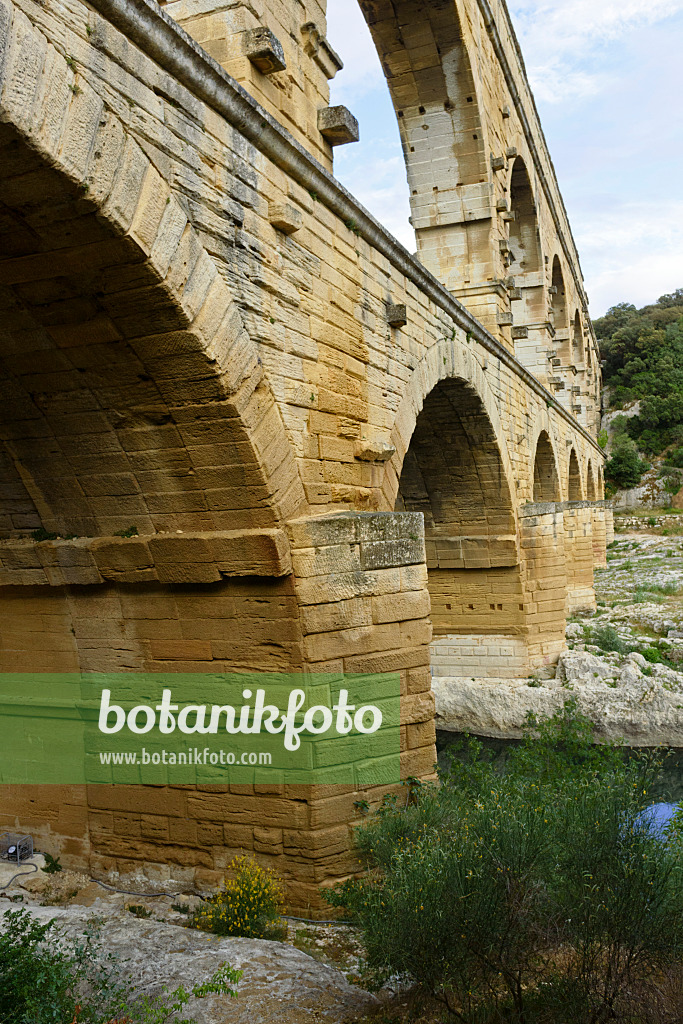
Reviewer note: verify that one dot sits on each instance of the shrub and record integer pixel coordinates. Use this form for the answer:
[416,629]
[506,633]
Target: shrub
[52,864]
[607,639]
[249,904]
[531,893]
[675,458]
[625,467]
[47,979]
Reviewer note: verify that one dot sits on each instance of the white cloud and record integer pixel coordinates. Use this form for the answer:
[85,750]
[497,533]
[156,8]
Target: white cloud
[631,253]
[566,25]
[350,37]
[575,33]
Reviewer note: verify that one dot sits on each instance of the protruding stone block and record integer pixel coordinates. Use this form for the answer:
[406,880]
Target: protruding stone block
[520,332]
[317,47]
[338,125]
[397,315]
[285,217]
[511,152]
[264,50]
[374,451]
[497,163]
[504,319]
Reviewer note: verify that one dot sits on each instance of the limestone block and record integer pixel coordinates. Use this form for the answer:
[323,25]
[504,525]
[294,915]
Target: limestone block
[338,125]
[251,553]
[285,217]
[399,607]
[374,451]
[317,46]
[397,315]
[384,554]
[264,50]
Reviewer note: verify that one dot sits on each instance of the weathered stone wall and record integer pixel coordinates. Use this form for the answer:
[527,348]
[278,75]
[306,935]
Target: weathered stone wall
[207,341]
[355,602]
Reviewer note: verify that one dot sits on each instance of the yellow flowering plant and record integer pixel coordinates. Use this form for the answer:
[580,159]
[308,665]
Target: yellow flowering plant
[249,903]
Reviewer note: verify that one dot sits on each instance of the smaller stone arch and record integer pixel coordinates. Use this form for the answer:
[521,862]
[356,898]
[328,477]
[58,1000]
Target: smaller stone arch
[578,352]
[525,249]
[590,482]
[574,490]
[546,477]
[558,297]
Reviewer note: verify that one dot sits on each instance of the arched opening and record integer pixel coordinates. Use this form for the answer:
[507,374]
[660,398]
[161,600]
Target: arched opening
[601,486]
[574,488]
[558,298]
[453,473]
[117,375]
[524,261]
[590,482]
[525,247]
[429,74]
[546,480]
[577,340]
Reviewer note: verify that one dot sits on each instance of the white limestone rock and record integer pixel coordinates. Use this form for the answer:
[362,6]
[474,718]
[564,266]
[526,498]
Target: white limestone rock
[582,668]
[280,983]
[622,701]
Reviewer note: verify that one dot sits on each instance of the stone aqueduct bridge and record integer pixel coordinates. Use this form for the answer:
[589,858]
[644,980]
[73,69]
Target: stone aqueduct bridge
[205,337]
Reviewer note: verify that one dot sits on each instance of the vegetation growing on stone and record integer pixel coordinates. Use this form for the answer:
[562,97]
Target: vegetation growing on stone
[47,979]
[538,893]
[642,351]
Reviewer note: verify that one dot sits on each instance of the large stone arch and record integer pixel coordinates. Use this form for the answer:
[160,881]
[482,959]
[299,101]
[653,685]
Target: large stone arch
[525,246]
[578,350]
[453,466]
[525,260]
[439,107]
[558,299]
[133,394]
[444,360]
[453,472]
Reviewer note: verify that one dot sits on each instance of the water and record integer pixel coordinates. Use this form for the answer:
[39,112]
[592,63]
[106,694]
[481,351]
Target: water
[669,790]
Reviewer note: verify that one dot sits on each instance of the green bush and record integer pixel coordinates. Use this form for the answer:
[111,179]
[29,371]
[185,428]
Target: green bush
[47,979]
[625,467]
[643,356]
[529,894]
[675,458]
[607,639]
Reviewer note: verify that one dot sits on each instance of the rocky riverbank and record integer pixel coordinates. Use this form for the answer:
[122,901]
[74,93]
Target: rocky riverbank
[293,982]
[621,663]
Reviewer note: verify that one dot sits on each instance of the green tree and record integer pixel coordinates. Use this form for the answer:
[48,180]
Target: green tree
[625,467]
[642,350]
[533,894]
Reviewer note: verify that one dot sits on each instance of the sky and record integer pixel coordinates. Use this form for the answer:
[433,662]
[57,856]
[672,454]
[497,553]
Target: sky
[608,82]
